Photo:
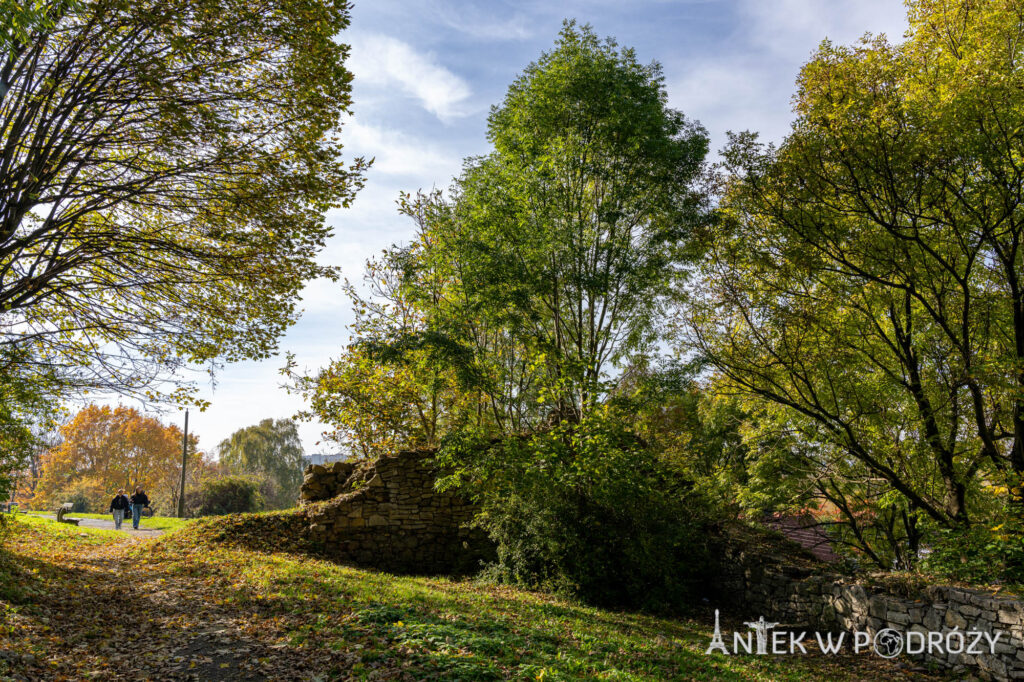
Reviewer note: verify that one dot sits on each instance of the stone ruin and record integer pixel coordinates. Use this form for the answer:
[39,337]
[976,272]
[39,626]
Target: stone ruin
[386,514]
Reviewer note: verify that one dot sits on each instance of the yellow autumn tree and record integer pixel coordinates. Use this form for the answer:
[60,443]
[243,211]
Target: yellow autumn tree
[105,448]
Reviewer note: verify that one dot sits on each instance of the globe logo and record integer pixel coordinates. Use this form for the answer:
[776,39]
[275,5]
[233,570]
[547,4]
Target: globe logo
[888,643]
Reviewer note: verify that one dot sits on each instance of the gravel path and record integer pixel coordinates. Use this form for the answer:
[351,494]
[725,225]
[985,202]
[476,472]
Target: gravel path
[142,532]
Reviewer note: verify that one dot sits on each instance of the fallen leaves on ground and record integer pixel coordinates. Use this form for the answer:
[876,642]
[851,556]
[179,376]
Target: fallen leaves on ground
[80,605]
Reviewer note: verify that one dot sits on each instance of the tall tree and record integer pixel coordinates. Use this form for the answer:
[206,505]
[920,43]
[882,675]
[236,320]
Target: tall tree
[866,277]
[164,171]
[570,232]
[271,449]
[544,268]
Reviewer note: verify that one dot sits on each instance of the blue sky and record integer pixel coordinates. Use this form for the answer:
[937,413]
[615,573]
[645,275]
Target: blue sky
[426,74]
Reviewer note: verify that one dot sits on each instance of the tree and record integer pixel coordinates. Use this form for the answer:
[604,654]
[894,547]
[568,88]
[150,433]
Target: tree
[227,495]
[45,436]
[570,233]
[103,449]
[543,271]
[503,330]
[864,280]
[271,449]
[26,414]
[164,171]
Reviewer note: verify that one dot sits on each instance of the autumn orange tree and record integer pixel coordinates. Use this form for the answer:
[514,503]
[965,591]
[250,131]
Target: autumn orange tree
[105,448]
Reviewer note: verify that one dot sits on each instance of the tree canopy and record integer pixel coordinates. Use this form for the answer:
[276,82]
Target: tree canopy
[164,171]
[865,278]
[540,275]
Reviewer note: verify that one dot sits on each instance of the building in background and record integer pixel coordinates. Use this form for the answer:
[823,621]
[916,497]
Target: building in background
[322,459]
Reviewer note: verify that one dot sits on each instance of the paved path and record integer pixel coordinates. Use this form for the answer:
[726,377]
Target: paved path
[142,532]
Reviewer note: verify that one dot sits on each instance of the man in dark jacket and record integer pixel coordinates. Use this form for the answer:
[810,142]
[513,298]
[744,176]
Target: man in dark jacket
[118,506]
[139,500]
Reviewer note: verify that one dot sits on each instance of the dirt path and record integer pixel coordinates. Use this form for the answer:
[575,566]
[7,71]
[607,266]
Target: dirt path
[117,610]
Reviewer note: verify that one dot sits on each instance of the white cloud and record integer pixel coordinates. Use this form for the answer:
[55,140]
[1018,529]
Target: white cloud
[750,87]
[387,62]
[483,26]
[397,153]
[794,28]
[734,94]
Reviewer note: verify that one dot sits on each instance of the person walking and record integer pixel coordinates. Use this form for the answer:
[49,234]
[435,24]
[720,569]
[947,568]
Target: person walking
[118,506]
[139,500]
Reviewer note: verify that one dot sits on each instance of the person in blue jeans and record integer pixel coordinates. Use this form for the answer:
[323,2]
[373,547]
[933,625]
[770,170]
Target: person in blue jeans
[139,500]
[118,506]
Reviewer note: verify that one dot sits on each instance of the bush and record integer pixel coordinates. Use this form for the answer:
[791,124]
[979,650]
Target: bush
[588,511]
[86,495]
[228,495]
[979,554]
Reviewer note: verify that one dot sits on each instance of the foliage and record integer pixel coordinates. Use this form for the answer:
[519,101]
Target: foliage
[587,510]
[567,237]
[164,175]
[285,616]
[695,428]
[978,554]
[104,448]
[271,450]
[379,403]
[228,495]
[25,411]
[541,273]
[861,287]
[86,494]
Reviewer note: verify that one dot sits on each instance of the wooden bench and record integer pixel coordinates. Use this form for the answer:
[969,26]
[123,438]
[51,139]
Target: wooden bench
[64,509]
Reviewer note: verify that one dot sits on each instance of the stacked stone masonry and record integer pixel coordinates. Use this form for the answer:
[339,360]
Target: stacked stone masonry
[386,514]
[807,599]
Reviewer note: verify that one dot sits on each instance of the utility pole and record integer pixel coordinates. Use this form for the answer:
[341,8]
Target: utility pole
[184,463]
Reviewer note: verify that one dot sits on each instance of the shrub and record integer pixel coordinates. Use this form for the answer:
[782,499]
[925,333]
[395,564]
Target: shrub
[979,554]
[87,496]
[588,511]
[228,495]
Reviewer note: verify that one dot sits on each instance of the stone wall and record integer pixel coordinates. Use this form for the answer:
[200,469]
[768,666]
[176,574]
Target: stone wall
[386,514]
[803,597]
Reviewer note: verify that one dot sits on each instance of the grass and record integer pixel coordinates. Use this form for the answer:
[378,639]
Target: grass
[220,611]
[164,523]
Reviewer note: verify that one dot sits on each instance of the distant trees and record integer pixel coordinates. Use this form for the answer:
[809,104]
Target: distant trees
[226,495]
[271,451]
[102,449]
[864,282]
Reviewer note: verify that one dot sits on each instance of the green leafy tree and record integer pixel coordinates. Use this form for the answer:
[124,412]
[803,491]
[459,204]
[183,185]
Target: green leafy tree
[504,330]
[164,172]
[570,233]
[271,450]
[388,390]
[26,415]
[864,281]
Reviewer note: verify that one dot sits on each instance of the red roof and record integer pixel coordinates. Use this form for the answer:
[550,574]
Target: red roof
[805,532]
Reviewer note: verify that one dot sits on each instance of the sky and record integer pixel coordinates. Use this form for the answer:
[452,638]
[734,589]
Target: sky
[426,74]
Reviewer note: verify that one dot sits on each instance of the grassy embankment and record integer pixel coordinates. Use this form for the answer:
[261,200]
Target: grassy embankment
[202,607]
